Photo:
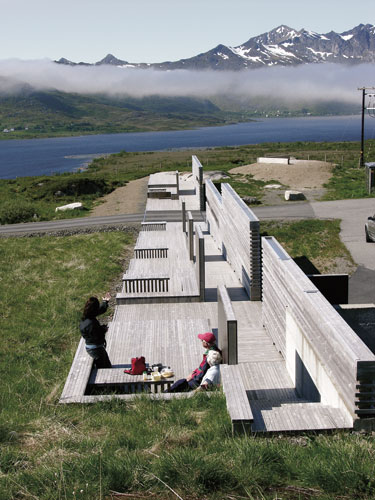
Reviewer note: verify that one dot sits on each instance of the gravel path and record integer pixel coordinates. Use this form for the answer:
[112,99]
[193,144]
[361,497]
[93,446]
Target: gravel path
[306,176]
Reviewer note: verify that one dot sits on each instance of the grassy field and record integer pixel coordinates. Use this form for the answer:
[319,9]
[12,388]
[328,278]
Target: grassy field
[320,250]
[35,198]
[140,449]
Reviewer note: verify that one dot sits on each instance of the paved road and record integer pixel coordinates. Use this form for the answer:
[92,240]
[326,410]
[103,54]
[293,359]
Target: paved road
[353,214]
[86,222]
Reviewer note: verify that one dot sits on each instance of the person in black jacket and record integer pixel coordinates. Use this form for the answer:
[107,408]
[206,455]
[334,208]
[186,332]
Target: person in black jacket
[93,332]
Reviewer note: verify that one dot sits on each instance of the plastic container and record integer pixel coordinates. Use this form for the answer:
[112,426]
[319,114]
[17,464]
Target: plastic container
[167,372]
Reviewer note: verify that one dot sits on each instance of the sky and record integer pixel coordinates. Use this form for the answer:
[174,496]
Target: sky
[158,30]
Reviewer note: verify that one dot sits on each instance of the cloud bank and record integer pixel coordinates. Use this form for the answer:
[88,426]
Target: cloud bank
[322,82]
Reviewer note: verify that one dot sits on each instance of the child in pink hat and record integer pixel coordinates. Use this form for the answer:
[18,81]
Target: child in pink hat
[193,381]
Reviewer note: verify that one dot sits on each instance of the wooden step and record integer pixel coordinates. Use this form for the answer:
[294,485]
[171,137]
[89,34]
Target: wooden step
[274,416]
[261,397]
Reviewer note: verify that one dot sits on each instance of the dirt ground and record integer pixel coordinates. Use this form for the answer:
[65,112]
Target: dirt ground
[129,199]
[305,176]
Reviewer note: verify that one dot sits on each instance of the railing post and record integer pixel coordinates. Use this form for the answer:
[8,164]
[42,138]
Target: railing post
[177,185]
[184,217]
[200,262]
[191,235]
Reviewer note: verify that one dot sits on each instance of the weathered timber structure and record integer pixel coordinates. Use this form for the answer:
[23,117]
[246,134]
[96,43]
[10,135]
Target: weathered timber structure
[291,362]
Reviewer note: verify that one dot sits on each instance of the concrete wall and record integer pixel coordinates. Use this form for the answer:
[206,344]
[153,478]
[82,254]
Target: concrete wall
[236,231]
[305,327]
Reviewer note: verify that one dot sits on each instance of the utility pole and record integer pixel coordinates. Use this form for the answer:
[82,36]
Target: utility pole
[362,159]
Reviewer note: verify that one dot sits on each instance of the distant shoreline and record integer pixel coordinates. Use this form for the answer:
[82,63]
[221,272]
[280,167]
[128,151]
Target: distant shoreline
[13,135]
[67,154]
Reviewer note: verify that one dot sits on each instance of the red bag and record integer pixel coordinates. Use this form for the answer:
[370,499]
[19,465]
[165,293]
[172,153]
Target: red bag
[138,366]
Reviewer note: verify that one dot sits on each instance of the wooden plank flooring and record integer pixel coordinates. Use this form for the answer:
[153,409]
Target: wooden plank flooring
[177,265]
[170,342]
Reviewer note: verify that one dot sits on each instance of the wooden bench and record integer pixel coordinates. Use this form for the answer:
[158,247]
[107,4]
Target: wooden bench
[116,377]
[237,402]
[154,226]
[145,284]
[151,253]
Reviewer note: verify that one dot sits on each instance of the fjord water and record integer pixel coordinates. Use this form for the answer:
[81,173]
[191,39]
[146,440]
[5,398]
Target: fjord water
[20,158]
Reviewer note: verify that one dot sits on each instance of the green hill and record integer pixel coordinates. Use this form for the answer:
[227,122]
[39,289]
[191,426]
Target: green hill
[30,113]
[46,114]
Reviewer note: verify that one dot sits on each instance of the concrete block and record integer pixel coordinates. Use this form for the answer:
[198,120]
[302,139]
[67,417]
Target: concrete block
[282,161]
[294,195]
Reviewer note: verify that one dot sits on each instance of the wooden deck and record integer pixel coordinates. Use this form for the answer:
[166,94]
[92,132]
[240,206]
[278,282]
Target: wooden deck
[260,395]
[187,192]
[175,265]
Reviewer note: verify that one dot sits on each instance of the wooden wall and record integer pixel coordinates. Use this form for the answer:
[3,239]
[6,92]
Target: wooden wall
[227,327]
[304,325]
[236,232]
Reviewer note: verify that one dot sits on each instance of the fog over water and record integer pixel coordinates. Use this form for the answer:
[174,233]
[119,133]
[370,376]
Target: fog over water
[313,82]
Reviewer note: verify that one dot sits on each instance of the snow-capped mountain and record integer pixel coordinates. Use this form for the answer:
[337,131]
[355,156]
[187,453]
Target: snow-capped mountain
[282,46]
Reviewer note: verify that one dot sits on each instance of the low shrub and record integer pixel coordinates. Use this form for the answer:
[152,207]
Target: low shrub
[69,186]
[14,211]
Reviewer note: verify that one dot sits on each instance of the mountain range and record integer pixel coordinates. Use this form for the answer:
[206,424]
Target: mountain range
[281,46]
